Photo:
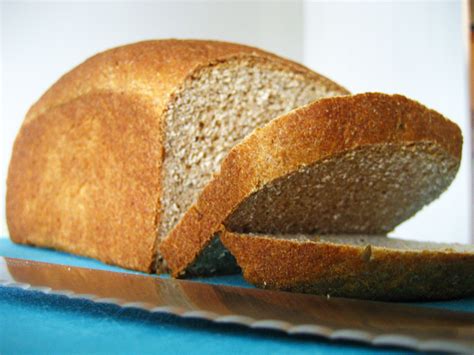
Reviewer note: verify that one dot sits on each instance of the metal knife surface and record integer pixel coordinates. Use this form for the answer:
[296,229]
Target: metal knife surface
[376,323]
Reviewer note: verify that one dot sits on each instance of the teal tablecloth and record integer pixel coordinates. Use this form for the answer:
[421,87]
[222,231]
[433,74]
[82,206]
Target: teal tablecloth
[31,322]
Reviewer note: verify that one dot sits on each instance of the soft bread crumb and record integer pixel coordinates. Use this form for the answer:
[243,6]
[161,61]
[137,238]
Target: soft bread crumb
[218,107]
[368,190]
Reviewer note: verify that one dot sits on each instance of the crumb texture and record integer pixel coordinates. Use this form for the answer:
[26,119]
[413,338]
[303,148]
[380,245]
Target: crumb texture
[368,190]
[214,110]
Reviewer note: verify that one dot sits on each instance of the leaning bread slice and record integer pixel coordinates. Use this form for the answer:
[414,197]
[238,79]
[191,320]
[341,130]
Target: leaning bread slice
[346,165]
[369,267]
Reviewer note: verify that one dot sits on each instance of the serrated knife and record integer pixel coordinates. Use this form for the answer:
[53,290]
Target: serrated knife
[376,323]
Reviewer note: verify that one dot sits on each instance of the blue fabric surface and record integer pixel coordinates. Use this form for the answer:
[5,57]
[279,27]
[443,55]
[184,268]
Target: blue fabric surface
[31,322]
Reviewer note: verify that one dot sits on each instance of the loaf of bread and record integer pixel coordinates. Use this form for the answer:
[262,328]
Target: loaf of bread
[355,165]
[113,154]
[367,267]
[199,157]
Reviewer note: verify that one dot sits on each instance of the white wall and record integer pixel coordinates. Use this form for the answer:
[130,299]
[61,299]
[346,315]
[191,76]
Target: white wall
[415,48]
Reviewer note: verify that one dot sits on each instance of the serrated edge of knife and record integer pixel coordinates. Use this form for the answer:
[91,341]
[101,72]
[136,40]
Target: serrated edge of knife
[392,339]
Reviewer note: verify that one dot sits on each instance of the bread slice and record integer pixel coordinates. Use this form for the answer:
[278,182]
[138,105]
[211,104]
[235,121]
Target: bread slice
[114,153]
[345,165]
[368,267]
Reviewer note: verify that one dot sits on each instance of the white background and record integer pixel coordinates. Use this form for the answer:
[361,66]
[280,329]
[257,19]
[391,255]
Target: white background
[416,48]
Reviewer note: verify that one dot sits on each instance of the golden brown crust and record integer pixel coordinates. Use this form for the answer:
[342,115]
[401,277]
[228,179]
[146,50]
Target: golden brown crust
[302,137]
[84,178]
[119,218]
[154,69]
[352,270]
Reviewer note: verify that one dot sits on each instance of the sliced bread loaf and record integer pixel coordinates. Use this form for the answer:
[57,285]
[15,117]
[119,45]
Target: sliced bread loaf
[114,153]
[368,267]
[345,165]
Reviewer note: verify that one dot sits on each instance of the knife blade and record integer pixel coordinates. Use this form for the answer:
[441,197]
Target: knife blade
[371,322]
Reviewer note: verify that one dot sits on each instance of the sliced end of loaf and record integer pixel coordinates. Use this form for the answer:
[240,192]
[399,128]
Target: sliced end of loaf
[217,107]
[366,267]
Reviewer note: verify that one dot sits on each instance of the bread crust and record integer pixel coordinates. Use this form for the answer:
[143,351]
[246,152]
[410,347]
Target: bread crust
[155,70]
[367,272]
[83,179]
[136,82]
[302,137]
